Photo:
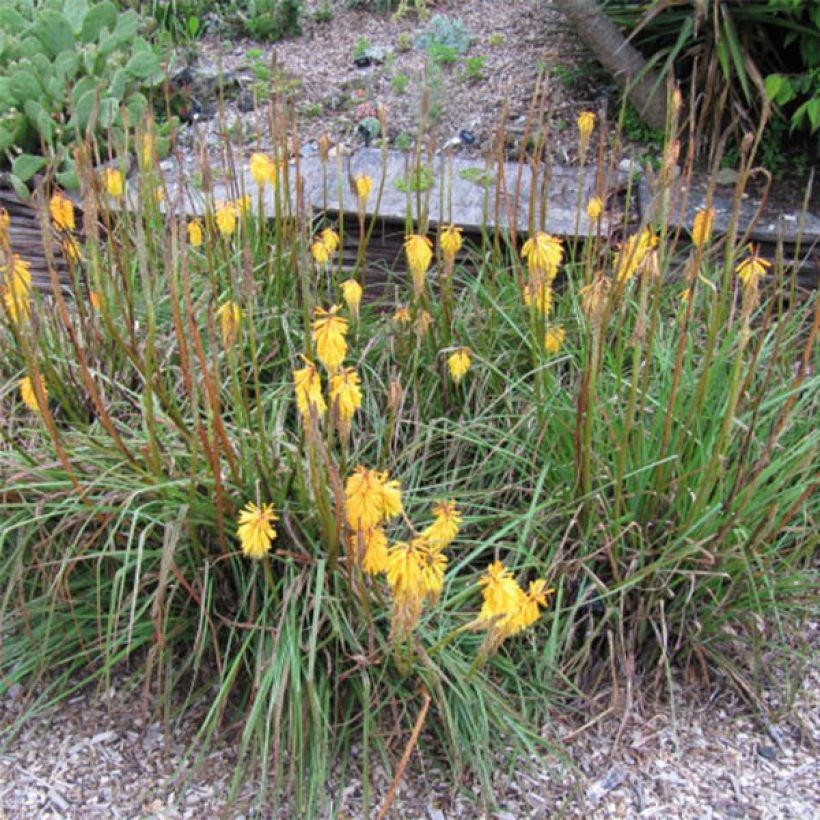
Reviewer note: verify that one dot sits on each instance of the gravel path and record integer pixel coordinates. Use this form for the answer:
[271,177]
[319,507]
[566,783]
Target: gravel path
[95,756]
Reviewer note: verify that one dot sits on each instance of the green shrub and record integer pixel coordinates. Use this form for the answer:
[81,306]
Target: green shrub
[444,36]
[68,69]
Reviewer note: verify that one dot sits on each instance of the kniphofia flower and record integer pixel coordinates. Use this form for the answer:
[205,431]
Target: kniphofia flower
[634,253]
[554,338]
[346,393]
[594,299]
[544,254]
[255,530]
[16,288]
[364,185]
[374,541]
[412,577]
[230,320]
[445,526]
[595,207]
[309,397]
[28,393]
[5,222]
[329,331]
[586,123]
[752,269]
[371,498]
[319,252]
[539,293]
[402,316]
[450,243]
[423,322]
[352,294]
[263,169]
[114,182]
[331,239]
[226,218]
[71,248]
[194,229]
[61,209]
[702,226]
[419,251]
[148,149]
[459,364]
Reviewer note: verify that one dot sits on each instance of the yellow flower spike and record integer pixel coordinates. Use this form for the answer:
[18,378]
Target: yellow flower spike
[29,395]
[263,169]
[752,269]
[702,226]
[5,223]
[433,567]
[450,243]
[329,331]
[320,253]
[226,219]
[634,253]
[16,289]
[446,525]
[364,184]
[94,300]
[242,204]
[401,316]
[459,364]
[409,579]
[71,248]
[423,322]
[331,239]
[345,393]
[352,294]
[308,384]
[544,254]
[255,530]
[148,149]
[194,229]
[554,338]
[375,550]
[230,321]
[62,212]
[371,498]
[419,251]
[586,124]
[114,182]
[499,591]
[595,207]
[541,294]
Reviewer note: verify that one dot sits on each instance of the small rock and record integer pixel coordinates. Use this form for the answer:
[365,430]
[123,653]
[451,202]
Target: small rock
[767,752]
[467,137]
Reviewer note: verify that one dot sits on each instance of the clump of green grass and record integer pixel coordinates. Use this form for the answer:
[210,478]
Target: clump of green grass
[655,461]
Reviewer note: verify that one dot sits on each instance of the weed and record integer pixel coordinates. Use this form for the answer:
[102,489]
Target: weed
[399,83]
[474,68]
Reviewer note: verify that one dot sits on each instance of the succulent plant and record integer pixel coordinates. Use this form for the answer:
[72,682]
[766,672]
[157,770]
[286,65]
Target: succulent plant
[68,69]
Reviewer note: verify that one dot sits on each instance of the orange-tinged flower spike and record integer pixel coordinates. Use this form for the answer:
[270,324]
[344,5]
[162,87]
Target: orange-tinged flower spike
[230,321]
[752,269]
[29,395]
[595,207]
[459,364]
[633,254]
[702,226]
[554,338]
[263,169]
[226,219]
[371,498]
[320,252]
[419,251]
[544,254]
[255,530]
[375,550]
[364,184]
[308,385]
[95,300]
[346,393]
[195,232]
[352,294]
[114,182]
[402,316]
[329,332]
[62,212]
[331,239]
[446,524]
[450,243]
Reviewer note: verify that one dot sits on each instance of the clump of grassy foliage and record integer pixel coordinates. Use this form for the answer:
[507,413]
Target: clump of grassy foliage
[658,468]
